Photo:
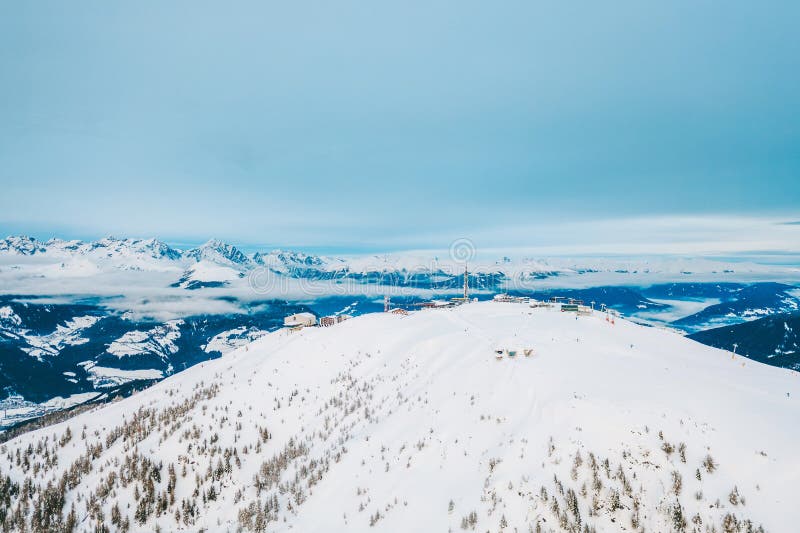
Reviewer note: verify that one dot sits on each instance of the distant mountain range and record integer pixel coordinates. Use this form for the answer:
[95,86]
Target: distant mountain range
[108,247]
[218,264]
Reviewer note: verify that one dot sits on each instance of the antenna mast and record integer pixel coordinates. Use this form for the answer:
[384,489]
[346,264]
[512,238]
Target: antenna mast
[466,283]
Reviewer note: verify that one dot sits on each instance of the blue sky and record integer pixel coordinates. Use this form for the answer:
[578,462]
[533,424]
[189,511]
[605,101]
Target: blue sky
[353,125]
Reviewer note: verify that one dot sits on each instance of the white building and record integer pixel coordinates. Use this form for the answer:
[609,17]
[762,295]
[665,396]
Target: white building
[299,320]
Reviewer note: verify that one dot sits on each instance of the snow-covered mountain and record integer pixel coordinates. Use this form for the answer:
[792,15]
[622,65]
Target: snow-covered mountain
[206,273]
[111,254]
[21,245]
[299,264]
[412,423]
[108,247]
[219,252]
[29,259]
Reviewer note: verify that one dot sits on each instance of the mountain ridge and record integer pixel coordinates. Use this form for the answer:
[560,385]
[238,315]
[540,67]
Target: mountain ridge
[404,266]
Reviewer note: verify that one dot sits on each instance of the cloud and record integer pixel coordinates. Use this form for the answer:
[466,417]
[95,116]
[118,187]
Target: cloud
[689,235]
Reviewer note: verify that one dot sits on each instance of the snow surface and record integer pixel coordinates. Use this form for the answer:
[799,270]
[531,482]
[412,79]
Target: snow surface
[66,334]
[410,423]
[207,271]
[104,377]
[233,338]
[160,340]
[8,318]
[15,409]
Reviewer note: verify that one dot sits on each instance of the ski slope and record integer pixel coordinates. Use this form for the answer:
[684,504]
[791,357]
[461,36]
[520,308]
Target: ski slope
[410,423]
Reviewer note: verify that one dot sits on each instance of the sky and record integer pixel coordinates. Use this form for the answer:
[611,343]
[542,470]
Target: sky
[373,125]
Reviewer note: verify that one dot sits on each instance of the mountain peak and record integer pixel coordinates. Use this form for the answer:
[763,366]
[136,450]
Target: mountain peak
[21,244]
[220,252]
